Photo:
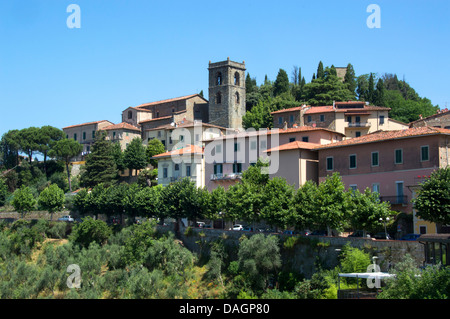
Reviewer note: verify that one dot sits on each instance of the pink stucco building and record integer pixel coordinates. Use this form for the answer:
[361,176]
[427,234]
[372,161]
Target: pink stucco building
[391,163]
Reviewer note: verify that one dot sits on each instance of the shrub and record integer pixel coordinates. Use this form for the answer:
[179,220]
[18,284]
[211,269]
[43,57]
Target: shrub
[90,230]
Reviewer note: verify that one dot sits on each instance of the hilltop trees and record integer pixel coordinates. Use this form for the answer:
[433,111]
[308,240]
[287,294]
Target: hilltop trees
[65,150]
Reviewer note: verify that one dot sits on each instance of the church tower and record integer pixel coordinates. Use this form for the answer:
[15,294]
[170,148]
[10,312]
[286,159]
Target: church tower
[226,93]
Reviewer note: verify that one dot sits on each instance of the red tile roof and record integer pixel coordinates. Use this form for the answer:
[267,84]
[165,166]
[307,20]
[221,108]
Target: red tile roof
[88,123]
[274,131]
[294,145]
[168,100]
[381,136]
[184,123]
[291,109]
[123,125]
[189,149]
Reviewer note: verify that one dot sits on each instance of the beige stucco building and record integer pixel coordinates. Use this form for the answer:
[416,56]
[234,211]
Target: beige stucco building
[180,163]
[122,133]
[352,118]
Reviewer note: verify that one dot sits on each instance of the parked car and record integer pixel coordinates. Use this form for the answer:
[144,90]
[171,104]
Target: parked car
[382,235]
[410,237]
[66,218]
[247,228]
[238,227]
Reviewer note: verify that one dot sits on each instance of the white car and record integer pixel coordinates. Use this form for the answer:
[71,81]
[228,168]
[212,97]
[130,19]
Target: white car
[238,227]
[66,218]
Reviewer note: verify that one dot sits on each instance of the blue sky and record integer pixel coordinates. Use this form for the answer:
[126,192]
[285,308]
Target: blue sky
[129,52]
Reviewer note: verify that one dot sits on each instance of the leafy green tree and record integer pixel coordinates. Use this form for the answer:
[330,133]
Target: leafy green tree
[304,204]
[52,199]
[100,164]
[362,88]
[23,200]
[331,211]
[154,147]
[259,259]
[49,135]
[366,209]
[371,88]
[65,150]
[29,141]
[277,197]
[90,231]
[118,156]
[10,148]
[4,192]
[433,200]
[259,116]
[379,93]
[134,156]
[281,84]
[326,89]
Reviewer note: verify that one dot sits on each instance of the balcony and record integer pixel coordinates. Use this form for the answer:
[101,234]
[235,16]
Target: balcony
[358,124]
[395,200]
[232,176]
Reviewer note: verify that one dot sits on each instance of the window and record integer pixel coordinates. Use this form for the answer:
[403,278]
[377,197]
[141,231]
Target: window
[263,145]
[114,135]
[219,78]
[84,135]
[352,163]
[163,142]
[164,172]
[177,167]
[375,159]
[305,139]
[130,115]
[376,188]
[291,139]
[280,120]
[349,119]
[322,118]
[424,153]
[398,156]
[237,168]
[330,164]
[157,114]
[358,119]
[381,119]
[88,149]
[93,134]
[309,118]
[170,139]
[357,134]
[353,187]
[218,98]
[188,170]
[422,229]
[236,78]
[159,133]
[218,169]
[291,118]
[75,136]
[236,97]
[236,147]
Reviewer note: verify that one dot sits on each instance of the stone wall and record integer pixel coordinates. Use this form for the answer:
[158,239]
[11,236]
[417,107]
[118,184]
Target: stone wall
[308,249]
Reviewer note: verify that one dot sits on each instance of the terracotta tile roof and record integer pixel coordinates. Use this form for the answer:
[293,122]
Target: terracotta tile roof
[274,131]
[88,123]
[167,101]
[381,136]
[292,109]
[439,113]
[293,146]
[189,149]
[157,119]
[123,125]
[320,109]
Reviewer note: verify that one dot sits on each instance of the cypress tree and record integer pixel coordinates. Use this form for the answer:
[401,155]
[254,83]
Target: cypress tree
[281,84]
[320,71]
[100,164]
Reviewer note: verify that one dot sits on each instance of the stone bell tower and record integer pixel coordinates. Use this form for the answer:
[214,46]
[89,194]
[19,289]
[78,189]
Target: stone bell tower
[227,93]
